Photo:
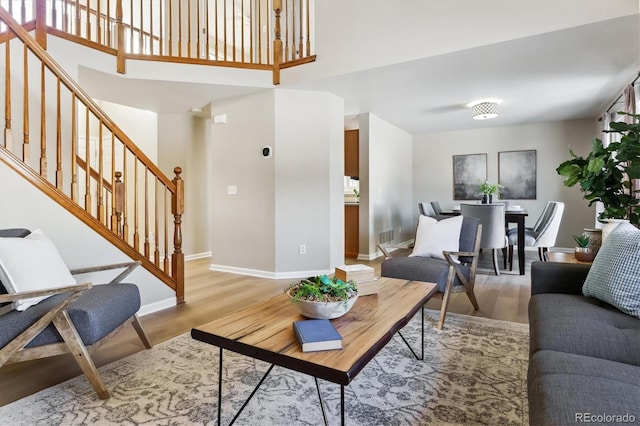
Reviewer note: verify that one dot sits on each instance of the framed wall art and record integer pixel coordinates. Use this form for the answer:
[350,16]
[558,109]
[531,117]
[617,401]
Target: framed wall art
[468,172]
[517,175]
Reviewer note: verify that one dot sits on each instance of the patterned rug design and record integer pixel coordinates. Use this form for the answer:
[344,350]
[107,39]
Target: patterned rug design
[474,373]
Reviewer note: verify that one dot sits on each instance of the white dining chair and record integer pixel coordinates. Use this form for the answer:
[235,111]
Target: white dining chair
[543,234]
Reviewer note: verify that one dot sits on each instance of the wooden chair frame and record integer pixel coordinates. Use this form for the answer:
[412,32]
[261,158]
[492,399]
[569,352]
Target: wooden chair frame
[15,350]
[454,271]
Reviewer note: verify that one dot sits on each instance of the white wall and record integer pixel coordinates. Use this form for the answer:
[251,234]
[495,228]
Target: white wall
[22,205]
[386,182]
[309,159]
[433,166]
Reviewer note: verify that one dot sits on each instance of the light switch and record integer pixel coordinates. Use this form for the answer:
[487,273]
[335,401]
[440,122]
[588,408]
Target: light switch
[232,190]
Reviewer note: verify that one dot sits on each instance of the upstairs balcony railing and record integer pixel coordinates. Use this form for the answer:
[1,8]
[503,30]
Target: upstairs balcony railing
[258,34]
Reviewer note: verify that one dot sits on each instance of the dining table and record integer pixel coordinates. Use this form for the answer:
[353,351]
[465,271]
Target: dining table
[516,216]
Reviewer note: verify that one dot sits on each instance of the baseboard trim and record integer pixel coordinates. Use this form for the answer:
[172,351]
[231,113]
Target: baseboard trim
[197,256]
[268,274]
[150,308]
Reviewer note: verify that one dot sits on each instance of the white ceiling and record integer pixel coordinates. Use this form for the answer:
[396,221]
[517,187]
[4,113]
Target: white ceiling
[568,74]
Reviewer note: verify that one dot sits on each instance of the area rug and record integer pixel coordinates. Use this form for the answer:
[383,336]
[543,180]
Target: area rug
[474,373]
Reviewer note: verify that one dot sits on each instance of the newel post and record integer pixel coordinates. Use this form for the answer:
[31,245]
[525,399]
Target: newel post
[41,23]
[177,209]
[277,42]
[120,67]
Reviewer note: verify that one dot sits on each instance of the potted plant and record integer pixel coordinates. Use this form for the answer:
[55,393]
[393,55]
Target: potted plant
[488,190]
[323,297]
[582,251]
[606,174]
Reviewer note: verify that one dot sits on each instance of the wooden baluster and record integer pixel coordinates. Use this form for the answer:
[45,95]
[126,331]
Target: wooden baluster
[206,14]
[277,42]
[120,55]
[268,19]
[161,39]
[285,13]
[233,29]
[98,23]
[78,18]
[88,23]
[74,145]
[308,28]
[87,164]
[170,28]
[177,209]
[224,27]
[251,18]
[131,36]
[59,182]
[54,15]
[23,12]
[301,37]
[114,222]
[26,148]
[180,28]
[166,233]
[100,184]
[141,37]
[108,24]
[156,253]
[146,213]
[189,29]
[43,125]
[118,205]
[8,133]
[150,51]
[41,23]
[241,31]
[125,215]
[216,18]
[198,45]
[136,235]
[259,32]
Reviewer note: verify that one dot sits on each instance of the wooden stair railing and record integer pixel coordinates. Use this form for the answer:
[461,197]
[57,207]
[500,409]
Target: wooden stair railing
[96,171]
[255,34]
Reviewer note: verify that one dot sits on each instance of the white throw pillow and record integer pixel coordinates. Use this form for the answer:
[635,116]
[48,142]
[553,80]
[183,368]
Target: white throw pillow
[433,237]
[32,263]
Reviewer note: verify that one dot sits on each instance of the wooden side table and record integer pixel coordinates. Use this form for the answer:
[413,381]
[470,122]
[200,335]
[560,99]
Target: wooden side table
[556,256]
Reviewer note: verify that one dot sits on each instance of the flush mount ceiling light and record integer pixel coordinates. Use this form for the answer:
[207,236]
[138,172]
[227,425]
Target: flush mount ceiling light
[485,109]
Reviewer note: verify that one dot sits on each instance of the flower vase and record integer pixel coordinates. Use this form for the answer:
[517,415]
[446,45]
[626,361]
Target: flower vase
[490,199]
[484,199]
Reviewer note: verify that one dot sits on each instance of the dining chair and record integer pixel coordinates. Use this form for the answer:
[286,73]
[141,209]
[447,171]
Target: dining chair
[493,228]
[426,209]
[436,207]
[543,234]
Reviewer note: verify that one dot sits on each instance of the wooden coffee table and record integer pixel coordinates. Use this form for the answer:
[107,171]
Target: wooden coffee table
[265,332]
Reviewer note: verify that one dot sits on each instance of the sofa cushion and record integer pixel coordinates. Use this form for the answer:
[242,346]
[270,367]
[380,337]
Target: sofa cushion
[614,276]
[95,314]
[566,388]
[584,326]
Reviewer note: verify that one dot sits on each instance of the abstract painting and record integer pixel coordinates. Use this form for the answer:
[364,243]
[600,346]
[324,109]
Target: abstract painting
[468,172]
[517,175]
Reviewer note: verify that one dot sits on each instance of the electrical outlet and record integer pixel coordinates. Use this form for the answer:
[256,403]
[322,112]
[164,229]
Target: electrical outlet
[303,249]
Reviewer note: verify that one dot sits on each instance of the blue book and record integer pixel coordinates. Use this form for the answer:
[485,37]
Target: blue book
[317,335]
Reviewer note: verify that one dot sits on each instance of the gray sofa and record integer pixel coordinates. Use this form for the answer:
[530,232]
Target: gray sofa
[584,355]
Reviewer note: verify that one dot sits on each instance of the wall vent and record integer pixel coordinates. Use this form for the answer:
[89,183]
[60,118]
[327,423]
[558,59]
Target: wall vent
[386,236]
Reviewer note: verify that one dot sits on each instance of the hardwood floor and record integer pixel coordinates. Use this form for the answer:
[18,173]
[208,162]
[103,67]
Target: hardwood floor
[211,294]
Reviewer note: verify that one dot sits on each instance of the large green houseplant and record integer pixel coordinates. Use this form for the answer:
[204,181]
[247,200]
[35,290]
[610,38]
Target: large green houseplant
[605,174]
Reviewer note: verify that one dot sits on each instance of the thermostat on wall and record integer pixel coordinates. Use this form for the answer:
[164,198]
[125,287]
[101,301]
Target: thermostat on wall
[267,151]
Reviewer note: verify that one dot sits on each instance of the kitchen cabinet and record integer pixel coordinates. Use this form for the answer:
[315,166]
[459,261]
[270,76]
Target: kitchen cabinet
[351,153]
[351,243]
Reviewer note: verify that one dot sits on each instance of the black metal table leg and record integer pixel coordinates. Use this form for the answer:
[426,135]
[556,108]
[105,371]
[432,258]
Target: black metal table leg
[421,357]
[220,390]
[342,405]
[324,415]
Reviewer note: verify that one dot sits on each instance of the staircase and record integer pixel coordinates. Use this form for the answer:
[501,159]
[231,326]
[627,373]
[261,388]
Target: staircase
[58,139]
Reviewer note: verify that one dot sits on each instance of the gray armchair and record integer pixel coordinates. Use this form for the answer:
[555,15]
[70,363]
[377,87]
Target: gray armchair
[450,275]
[71,319]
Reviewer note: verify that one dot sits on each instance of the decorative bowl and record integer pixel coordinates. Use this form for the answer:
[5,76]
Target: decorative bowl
[323,310]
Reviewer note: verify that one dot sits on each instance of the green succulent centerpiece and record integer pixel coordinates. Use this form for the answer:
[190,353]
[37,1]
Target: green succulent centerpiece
[582,240]
[322,296]
[487,188]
